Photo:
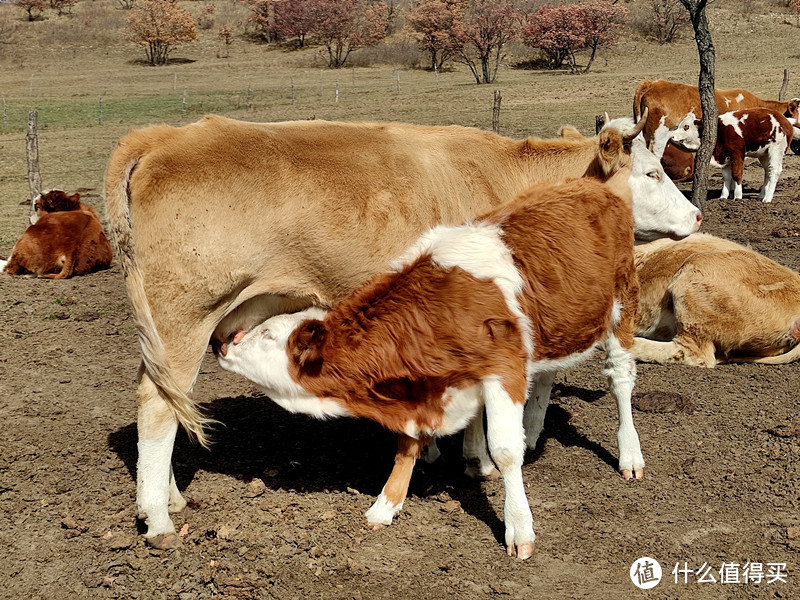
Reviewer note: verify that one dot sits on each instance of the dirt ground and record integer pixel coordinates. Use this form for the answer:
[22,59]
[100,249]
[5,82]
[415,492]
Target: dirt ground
[276,508]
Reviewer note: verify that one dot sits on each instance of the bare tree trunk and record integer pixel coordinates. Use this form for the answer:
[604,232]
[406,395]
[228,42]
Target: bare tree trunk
[32,151]
[708,103]
[496,112]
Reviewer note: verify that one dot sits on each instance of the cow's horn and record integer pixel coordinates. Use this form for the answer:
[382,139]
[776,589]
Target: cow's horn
[636,129]
[606,118]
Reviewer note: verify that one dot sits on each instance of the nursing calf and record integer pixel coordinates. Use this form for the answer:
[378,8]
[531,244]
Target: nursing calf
[466,319]
[65,238]
[757,132]
[705,300]
[221,224]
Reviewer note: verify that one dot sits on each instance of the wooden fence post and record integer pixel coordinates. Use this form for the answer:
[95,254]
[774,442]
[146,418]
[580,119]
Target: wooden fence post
[32,151]
[496,112]
[784,85]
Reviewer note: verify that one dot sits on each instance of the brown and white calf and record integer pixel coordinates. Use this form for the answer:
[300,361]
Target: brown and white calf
[661,104]
[65,238]
[756,132]
[704,300]
[466,319]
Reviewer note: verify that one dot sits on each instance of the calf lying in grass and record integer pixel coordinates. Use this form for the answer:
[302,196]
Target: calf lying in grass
[466,319]
[705,300]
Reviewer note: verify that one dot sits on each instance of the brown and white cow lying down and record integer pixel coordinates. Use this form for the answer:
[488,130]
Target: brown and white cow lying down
[756,132]
[222,224]
[667,102]
[705,300]
[65,238]
[465,319]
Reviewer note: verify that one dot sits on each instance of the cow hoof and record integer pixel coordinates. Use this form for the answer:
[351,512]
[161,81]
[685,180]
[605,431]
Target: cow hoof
[475,472]
[629,475]
[523,551]
[164,541]
[376,526]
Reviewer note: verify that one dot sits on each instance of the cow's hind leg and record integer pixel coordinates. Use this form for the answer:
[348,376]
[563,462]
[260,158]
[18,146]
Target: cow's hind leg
[507,445]
[536,407]
[479,464]
[621,372]
[390,501]
[772,163]
[157,493]
[682,349]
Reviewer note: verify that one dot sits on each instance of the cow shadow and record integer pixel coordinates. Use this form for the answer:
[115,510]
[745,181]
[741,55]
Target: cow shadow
[258,439]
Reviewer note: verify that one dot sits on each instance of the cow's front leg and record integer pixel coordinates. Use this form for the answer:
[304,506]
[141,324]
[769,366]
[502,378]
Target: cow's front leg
[507,446]
[156,491]
[391,498]
[621,372]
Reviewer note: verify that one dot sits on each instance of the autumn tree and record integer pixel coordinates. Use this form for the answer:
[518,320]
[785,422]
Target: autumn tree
[225,33]
[343,26]
[63,7]
[602,22]
[662,20]
[34,8]
[553,30]
[294,18]
[262,17]
[482,34]
[434,23]
[160,26]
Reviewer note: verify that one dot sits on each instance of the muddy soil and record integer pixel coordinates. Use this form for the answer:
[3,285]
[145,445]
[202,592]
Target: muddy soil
[276,507]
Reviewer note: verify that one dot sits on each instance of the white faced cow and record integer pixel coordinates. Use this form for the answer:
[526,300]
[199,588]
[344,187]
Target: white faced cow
[756,132]
[222,224]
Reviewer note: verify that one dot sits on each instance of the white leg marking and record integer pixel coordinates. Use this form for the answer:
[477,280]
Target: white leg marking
[382,511]
[153,474]
[621,372]
[3,263]
[536,408]
[507,445]
[727,181]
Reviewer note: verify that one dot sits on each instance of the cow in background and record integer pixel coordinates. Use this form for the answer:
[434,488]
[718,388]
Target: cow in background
[704,300]
[667,102]
[65,238]
[756,132]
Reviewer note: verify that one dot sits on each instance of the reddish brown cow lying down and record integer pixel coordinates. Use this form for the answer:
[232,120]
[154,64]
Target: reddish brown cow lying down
[468,318]
[65,238]
[705,300]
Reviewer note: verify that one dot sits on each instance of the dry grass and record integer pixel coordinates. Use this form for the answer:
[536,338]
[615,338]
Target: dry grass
[64,66]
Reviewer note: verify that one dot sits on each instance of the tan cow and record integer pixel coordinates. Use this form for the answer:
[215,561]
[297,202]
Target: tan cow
[221,224]
[705,300]
[667,102]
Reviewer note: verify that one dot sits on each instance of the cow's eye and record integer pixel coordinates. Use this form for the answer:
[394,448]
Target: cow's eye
[686,128]
[654,175]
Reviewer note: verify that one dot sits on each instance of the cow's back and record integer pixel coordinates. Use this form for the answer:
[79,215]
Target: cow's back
[225,201]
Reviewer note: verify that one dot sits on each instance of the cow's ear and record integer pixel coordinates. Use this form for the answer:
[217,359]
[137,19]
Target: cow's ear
[609,151]
[306,344]
[76,197]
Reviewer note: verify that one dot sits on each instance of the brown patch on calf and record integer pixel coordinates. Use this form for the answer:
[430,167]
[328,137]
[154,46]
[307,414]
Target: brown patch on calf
[392,349]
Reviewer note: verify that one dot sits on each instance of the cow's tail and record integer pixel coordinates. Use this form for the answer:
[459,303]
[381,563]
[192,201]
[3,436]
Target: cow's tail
[637,99]
[123,161]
